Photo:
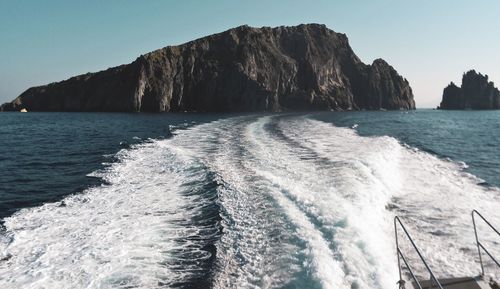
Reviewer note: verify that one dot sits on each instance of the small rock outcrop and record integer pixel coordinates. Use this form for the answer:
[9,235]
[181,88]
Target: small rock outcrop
[305,67]
[476,92]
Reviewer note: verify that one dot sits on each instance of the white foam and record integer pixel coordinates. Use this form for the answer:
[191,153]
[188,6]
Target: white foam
[303,203]
[271,164]
[254,251]
[346,191]
[124,233]
[434,197]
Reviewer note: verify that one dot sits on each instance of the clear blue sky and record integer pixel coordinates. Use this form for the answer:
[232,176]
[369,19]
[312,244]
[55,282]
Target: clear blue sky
[429,42]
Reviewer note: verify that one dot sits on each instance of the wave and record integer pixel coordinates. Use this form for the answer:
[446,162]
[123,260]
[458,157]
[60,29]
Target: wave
[433,196]
[151,225]
[279,201]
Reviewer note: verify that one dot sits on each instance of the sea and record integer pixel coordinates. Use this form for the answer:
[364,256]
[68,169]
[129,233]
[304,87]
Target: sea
[285,200]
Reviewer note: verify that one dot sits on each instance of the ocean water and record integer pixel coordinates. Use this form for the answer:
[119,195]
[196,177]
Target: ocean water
[243,201]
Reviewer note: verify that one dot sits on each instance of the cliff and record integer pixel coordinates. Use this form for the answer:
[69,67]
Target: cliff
[476,92]
[305,67]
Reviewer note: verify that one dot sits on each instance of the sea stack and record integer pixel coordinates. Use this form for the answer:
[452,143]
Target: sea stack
[305,67]
[476,92]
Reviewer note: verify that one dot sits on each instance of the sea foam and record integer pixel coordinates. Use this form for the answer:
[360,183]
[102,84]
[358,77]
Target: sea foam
[253,202]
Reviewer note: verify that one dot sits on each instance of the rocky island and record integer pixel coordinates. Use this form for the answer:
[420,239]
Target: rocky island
[476,92]
[305,67]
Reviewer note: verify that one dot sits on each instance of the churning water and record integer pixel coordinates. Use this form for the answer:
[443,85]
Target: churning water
[251,201]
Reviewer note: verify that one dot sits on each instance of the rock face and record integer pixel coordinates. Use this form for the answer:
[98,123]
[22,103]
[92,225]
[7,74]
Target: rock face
[476,92]
[305,67]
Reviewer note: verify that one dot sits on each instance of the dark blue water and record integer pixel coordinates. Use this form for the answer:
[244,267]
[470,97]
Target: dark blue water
[44,156]
[239,201]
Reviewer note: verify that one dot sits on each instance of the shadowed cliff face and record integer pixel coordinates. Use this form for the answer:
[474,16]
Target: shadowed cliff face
[306,67]
[476,92]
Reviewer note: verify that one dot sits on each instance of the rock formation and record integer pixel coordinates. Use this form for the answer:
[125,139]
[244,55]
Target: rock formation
[476,92]
[305,67]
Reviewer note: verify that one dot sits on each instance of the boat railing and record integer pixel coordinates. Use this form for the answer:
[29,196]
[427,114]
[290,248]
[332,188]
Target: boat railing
[479,244]
[401,256]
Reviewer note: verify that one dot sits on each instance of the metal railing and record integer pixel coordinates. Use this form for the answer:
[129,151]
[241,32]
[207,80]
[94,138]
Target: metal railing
[400,255]
[479,244]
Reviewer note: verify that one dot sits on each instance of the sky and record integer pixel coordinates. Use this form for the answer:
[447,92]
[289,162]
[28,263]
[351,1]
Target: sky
[429,42]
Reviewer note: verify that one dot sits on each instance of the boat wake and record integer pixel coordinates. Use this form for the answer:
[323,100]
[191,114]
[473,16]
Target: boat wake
[279,201]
